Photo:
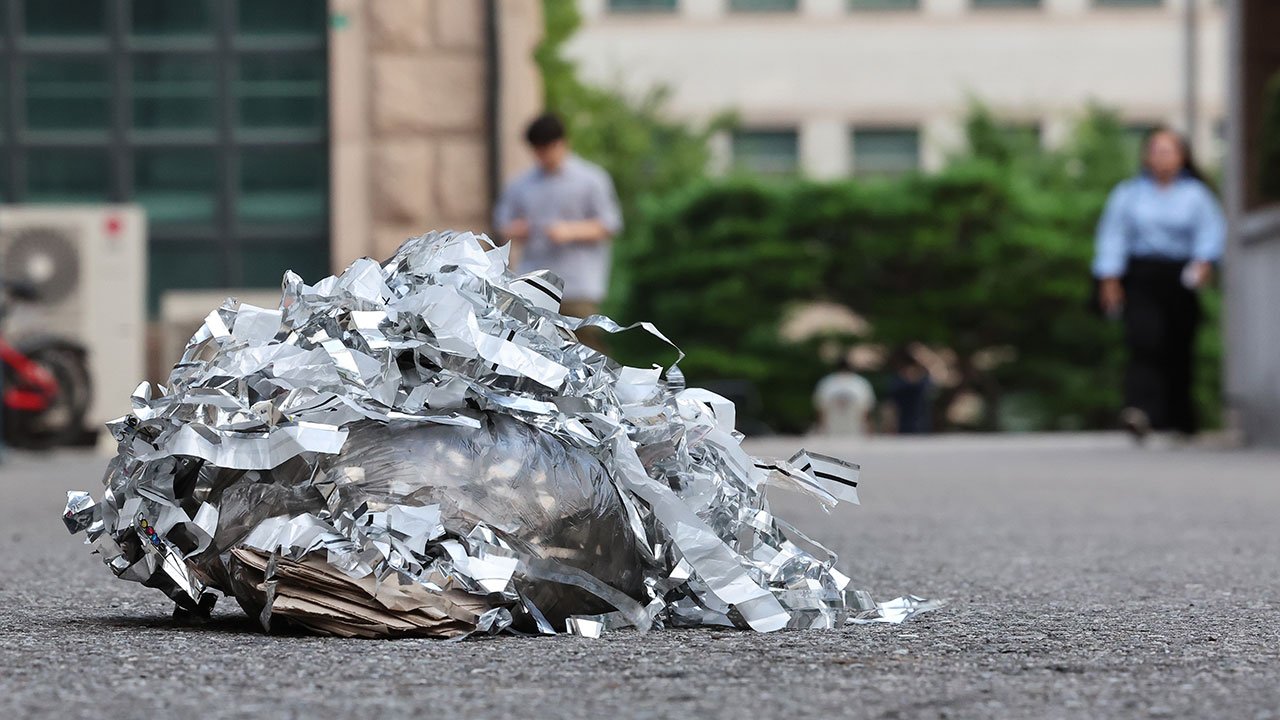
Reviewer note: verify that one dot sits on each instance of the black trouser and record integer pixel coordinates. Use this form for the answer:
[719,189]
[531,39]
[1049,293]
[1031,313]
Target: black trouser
[1161,317]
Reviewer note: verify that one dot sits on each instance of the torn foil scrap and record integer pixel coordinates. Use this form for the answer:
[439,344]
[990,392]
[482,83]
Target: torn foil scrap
[423,447]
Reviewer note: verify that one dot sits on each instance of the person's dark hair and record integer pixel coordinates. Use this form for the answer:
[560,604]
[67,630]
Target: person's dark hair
[1189,166]
[544,130]
[902,358]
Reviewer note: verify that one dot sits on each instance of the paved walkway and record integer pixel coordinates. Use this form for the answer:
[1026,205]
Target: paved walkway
[1087,579]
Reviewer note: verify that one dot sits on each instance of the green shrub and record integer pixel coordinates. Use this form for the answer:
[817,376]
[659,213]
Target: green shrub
[992,253]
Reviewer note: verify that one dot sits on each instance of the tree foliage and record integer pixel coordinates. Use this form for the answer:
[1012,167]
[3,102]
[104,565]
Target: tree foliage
[988,257]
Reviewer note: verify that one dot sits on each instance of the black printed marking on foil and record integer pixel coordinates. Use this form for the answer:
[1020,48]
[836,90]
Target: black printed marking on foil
[542,288]
[818,473]
[510,334]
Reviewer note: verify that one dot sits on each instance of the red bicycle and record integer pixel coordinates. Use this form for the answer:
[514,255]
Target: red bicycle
[47,388]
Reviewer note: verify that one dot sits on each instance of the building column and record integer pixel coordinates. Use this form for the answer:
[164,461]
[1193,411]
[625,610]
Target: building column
[947,8]
[941,136]
[1056,129]
[824,8]
[720,150]
[702,9]
[824,149]
[350,225]
[1068,8]
[590,10]
[520,92]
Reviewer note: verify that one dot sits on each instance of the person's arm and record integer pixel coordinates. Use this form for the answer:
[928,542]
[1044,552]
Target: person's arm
[508,219]
[571,231]
[1210,238]
[605,219]
[1111,251]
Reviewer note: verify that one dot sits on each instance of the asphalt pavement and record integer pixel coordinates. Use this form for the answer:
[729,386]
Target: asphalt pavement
[1085,579]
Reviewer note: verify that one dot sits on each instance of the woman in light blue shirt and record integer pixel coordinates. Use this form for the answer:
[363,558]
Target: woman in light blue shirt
[1158,239]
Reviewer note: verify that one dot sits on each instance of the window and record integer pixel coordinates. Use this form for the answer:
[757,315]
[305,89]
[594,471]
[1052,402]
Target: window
[766,152]
[67,94]
[176,185]
[71,175]
[281,17]
[281,91]
[282,185]
[641,6]
[168,19]
[1023,136]
[211,114]
[885,151]
[65,18]
[884,4]
[982,4]
[1128,3]
[4,122]
[174,92]
[763,5]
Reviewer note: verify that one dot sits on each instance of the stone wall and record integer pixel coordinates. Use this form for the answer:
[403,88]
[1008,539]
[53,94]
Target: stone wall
[410,135]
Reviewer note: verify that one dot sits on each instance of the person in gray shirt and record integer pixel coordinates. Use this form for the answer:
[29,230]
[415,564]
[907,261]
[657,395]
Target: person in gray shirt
[562,213]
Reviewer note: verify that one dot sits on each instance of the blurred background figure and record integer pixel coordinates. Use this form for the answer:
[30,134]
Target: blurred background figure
[1157,241]
[843,401]
[911,392]
[563,213]
[767,155]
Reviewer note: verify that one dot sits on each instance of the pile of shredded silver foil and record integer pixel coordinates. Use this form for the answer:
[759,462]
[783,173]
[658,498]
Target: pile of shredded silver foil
[423,447]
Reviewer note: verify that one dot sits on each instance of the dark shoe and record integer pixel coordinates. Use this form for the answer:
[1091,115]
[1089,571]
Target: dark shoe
[1136,422]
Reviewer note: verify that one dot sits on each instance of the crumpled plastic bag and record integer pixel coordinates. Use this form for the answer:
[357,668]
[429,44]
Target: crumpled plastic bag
[423,447]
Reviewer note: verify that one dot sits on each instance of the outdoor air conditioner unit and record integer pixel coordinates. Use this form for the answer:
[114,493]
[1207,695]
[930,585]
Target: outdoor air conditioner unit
[89,267]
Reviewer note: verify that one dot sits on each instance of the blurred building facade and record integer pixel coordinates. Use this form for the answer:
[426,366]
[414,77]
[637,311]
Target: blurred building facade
[1252,267]
[265,136]
[832,87]
[429,103]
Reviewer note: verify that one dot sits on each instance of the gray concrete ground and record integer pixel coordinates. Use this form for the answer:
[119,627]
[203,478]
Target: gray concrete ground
[1086,579]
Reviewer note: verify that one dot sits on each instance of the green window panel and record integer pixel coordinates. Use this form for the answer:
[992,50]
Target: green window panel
[169,19]
[642,6]
[68,175]
[884,4]
[264,261]
[4,140]
[216,125]
[182,264]
[281,17]
[283,185]
[176,185]
[885,151]
[763,5]
[65,18]
[68,94]
[282,91]
[174,92]
[767,152]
